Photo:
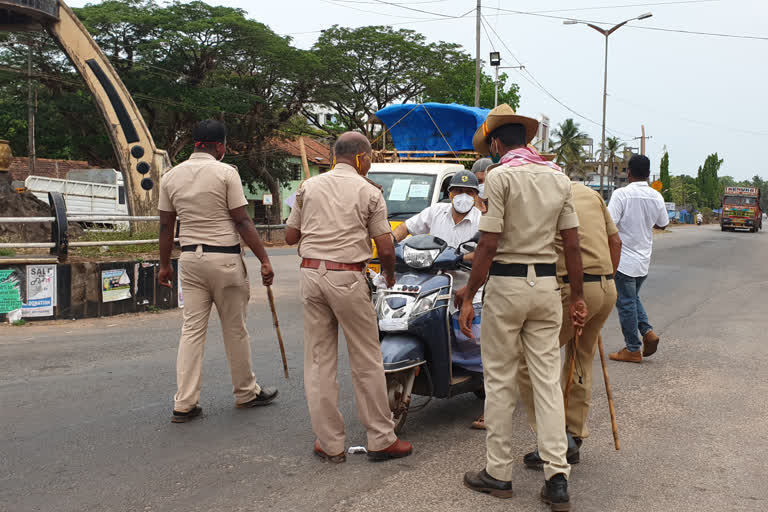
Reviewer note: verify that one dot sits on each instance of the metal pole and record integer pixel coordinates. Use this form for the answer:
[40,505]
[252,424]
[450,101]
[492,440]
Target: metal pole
[477,56]
[496,88]
[30,112]
[605,99]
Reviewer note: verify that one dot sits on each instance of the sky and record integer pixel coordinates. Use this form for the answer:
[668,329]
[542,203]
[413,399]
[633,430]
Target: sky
[695,94]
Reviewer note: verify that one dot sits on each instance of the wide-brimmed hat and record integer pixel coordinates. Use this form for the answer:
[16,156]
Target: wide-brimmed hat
[499,116]
[546,156]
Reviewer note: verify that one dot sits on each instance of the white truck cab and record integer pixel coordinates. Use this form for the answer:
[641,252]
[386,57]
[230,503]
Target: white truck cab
[410,187]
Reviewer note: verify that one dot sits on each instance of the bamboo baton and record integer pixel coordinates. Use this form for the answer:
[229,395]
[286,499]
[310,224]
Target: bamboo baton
[608,392]
[277,328]
[569,383]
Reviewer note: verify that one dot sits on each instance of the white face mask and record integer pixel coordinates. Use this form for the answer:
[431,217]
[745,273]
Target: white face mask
[462,203]
[481,193]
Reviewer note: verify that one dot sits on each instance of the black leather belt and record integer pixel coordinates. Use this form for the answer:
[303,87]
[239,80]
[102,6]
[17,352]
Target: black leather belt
[521,269]
[230,249]
[589,278]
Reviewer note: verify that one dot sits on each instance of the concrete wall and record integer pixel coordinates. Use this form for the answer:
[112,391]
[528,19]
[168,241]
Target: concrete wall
[82,290]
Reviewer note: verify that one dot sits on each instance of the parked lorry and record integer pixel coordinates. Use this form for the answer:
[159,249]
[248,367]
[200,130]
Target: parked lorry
[86,192]
[741,209]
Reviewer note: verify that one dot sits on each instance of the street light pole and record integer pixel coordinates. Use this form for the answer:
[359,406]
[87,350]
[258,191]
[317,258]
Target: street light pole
[605,33]
[477,55]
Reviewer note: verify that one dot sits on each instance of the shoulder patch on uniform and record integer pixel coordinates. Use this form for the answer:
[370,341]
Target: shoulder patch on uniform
[381,189]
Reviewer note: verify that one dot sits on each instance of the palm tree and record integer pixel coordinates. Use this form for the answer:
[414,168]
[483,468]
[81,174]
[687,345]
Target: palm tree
[612,148]
[569,147]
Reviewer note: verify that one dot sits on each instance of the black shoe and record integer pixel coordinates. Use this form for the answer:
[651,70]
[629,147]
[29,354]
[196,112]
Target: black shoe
[265,396]
[555,493]
[481,481]
[183,417]
[533,461]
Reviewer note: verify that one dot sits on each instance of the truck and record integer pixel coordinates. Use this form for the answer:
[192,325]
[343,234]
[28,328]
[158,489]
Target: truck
[86,192]
[741,209]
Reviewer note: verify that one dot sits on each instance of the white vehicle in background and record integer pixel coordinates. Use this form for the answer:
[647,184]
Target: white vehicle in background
[87,192]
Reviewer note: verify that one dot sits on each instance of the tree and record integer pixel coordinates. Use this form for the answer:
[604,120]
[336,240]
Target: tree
[684,191]
[369,68]
[708,183]
[665,182]
[612,148]
[182,62]
[458,86]
[568,146]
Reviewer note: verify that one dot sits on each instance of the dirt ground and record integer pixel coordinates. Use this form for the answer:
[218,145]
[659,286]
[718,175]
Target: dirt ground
[27,205]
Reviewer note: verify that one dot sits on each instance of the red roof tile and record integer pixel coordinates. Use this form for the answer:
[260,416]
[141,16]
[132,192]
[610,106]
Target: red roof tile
[317,153]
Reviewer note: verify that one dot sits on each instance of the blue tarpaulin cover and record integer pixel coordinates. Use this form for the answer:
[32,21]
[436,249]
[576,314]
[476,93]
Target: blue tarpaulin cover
[416,131]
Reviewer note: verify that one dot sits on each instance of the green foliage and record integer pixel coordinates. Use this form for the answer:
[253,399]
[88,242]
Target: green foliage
[708,183]
[367,68]
[568,147]
[684,191]
[7,252]
[613,146]
[458,86]
[665,181]
[19,323]
[117,250]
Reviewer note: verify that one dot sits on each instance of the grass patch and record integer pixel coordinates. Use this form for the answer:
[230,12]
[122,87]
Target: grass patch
[116,250]
[153,309]
[7,252]
[19,323]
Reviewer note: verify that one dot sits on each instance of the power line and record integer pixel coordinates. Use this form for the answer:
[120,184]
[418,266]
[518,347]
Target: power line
[338,4]
[639,27]
[413,9]
[602,7]
[533,81]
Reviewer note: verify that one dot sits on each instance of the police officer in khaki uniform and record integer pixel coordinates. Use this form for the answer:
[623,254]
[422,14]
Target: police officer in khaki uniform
[528,203]
[335,216]
[208,198]
[600,253]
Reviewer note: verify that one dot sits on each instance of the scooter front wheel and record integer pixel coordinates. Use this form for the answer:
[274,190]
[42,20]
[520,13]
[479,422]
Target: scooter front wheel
[399,386]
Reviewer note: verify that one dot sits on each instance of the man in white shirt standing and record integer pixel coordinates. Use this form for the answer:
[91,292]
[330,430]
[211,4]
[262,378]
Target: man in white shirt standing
[636,209]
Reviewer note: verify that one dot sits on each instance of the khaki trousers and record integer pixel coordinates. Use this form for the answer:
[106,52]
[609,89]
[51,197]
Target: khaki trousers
[521,322]
[600,298]
[333,299]
[208,279]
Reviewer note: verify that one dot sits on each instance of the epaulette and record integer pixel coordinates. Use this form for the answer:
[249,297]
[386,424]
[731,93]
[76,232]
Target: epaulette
[381,189]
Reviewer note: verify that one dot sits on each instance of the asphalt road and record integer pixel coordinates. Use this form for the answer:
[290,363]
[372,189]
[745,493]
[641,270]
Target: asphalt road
[85,407]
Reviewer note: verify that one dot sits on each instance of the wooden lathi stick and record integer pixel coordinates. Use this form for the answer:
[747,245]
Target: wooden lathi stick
[569,383]
[277,328]
[608,392]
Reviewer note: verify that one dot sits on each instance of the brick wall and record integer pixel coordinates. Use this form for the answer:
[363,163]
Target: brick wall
[46,167]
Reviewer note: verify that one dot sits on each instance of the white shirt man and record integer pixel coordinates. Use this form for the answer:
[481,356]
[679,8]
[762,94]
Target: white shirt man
[635,210]
[437,220]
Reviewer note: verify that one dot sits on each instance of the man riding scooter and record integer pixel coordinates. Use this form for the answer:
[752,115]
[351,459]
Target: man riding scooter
[455,223]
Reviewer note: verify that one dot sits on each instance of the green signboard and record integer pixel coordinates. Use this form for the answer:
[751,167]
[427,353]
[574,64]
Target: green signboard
[10,291]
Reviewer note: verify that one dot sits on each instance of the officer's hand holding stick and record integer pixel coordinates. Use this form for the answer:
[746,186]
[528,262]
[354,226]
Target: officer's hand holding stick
[277,328]
[614,427]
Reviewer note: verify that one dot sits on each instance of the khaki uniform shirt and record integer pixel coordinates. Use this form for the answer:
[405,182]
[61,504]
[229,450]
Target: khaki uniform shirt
[338,213]
[527,205]
[201,191]
[595,226]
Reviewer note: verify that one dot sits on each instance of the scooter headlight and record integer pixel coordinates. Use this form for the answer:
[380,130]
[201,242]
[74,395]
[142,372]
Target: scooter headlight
[419,258]
[425,303]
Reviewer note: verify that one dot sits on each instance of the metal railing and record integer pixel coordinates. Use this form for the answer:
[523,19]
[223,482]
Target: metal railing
[60,244]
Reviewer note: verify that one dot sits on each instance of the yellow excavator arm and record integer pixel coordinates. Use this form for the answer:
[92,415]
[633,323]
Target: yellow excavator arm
[139,159]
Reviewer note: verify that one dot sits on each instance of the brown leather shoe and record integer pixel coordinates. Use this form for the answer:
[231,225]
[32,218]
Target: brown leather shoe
[627,356]
[334,459]
[397,450]
[650,343]
[479,423]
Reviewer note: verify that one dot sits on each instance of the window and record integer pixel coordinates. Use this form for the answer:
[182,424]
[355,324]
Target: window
[296,172]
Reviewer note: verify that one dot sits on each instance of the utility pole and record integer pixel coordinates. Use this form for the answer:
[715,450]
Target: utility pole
[642,139]
[30,112]
[477,56]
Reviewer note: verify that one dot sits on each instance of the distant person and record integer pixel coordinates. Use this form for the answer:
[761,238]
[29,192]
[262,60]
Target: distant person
[636,209]
[699,218]
[207,195]
[335,216]
[480,168]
